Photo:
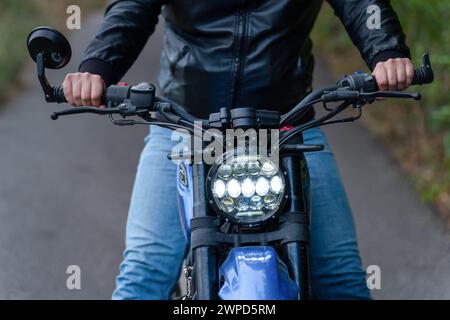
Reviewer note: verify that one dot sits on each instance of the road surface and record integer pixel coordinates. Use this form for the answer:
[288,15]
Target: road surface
[65,187]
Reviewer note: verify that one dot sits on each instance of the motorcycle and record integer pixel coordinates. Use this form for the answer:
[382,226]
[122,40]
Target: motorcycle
[246,215]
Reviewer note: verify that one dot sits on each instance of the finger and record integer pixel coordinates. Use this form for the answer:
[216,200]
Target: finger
[86,93]
[67,86]
[76,92]
[409,74]
[392,76]
[97,93]
[401,76]
[380,76]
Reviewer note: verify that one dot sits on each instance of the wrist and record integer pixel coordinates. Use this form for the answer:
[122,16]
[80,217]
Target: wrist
[386,55]
[99,67]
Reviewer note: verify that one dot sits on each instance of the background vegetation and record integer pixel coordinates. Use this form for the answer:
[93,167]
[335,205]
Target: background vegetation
[17,19]
[419,136]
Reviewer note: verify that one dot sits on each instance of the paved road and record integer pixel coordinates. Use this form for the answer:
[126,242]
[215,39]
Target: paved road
[64,192]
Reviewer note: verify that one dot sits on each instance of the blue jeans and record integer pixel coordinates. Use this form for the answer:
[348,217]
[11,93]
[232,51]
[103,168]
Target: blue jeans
[155,245]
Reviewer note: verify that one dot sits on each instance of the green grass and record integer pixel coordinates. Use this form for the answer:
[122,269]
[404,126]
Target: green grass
[17,19]
[418,135]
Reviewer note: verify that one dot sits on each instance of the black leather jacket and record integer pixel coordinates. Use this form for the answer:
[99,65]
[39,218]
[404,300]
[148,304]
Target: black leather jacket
[234,53]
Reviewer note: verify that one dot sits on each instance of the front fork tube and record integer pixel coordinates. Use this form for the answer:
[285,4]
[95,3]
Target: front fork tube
[205,261]
[296,253]
[297,258]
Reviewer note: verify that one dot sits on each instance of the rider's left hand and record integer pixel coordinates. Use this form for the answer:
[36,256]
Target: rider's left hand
[394,74]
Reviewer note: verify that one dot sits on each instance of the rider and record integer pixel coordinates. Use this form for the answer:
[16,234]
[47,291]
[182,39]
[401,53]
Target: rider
[234,53]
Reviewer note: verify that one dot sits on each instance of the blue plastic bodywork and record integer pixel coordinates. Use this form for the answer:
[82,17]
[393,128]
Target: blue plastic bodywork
[256,273]
[185,197]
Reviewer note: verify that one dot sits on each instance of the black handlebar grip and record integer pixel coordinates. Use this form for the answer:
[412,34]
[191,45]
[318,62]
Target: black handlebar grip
[424,74]
[58,94]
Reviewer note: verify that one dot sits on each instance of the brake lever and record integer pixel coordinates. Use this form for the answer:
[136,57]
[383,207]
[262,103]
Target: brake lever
[79,110]
[341,95]
[391,94]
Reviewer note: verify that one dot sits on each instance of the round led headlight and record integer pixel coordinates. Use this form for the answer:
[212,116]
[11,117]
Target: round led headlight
[247,190]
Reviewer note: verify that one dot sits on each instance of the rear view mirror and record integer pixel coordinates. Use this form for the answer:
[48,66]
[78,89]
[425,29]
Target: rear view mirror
[50,50]
[52,45]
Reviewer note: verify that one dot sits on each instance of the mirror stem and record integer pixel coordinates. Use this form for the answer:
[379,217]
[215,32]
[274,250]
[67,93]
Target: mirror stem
[48,90]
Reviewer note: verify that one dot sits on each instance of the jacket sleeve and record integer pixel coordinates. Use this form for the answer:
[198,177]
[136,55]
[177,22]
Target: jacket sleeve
[375,44]
[120,38]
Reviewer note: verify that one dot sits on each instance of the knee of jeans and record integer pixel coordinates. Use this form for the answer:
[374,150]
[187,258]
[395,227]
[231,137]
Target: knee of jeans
[147,263]
[155,230]
[338,277]
[169,242]
[147,274]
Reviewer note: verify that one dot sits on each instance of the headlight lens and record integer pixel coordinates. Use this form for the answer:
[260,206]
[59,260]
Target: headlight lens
[248,190]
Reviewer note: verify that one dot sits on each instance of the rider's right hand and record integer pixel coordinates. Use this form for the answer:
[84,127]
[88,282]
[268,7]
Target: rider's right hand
[84,89]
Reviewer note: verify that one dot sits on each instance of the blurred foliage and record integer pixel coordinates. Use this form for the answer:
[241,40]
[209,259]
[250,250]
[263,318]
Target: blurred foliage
[418,137]
[17,19]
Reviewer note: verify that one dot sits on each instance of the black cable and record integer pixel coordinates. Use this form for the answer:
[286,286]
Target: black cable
[157,123]
[326,123]
[314,123]
[180,111]
[171,126]
[311,99]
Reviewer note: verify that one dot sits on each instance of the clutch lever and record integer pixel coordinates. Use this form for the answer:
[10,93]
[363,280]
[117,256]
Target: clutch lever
[79,110]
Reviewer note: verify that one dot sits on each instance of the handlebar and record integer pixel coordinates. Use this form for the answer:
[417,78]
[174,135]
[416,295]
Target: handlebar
[116,94]
[359,88]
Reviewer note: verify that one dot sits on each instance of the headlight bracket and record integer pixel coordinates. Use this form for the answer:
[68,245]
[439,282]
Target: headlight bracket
[205,232]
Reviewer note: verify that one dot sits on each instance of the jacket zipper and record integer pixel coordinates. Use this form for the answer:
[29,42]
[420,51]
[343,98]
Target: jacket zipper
[239,57]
